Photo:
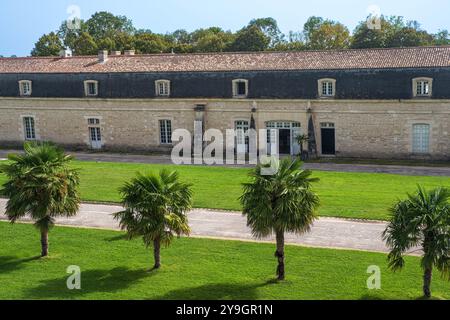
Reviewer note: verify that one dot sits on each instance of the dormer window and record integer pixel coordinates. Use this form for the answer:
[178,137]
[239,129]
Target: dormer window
[327,88]
[422,87]
[25,87]
[240,88]
[91,88]
[162,88]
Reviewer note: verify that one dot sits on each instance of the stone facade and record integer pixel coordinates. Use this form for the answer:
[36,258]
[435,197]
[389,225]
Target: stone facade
[363,128]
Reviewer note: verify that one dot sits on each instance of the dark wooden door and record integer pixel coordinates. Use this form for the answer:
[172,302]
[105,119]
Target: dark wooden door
[328,141]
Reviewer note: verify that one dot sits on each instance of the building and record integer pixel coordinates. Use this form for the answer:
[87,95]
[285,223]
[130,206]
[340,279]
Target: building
[380,103]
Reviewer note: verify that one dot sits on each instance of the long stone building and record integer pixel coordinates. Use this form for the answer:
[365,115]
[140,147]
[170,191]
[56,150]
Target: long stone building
[380,103]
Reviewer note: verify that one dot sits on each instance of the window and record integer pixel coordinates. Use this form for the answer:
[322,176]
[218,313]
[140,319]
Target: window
[25,87]
[240,88]
[327,88]
[29,130]
[93,121]
[165,127]
[422,87]
[91,88]
[162,88]
[421,138]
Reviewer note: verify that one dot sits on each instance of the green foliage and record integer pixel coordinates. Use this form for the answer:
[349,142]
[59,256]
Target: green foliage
[40,184]
[85,45]
[325,34]
[394,32]
[155,207]
[422,220]
[47,45]
[104,30]
[282,202]
[250,39]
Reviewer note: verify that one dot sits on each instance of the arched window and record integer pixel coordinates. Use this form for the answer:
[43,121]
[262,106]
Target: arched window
[327,88]
[91,88]
[162,88]
[240,88]
[25,87]
[422,87]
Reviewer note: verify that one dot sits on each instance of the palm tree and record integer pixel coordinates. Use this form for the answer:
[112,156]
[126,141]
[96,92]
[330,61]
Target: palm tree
[301,140]
[284,202]
[155,208]
[41,185]
[422,220]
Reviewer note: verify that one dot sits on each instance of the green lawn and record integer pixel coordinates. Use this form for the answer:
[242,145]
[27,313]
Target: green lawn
[113,268]
[351,195]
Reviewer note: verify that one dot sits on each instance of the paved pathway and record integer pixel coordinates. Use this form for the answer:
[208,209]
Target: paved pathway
[165,159]
[326,232]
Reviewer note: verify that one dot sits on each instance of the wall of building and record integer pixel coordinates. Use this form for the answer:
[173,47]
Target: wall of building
[350,84]
[364,128]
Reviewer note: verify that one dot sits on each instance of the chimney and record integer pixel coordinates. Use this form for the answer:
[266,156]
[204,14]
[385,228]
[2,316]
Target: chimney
[129,52]
[102,56]
[65,53]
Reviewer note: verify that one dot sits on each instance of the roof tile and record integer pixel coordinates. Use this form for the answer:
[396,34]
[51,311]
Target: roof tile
[417,57]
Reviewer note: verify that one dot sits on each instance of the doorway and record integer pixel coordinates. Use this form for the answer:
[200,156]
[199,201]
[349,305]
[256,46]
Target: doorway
[95,137]
[328,134]
[282,136]
[284,141]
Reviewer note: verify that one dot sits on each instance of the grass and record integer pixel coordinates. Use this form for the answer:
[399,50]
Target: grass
[113,268]
[394,162]
[349,195]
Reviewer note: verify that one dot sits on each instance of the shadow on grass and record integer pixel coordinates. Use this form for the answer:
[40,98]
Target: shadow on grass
[92,281]
[120,237]
[219,291]
[9,263]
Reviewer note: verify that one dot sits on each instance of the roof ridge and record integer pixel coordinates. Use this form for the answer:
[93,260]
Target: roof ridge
[236,52]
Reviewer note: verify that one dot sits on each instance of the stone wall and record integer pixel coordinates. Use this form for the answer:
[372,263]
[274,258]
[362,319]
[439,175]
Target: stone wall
[364,128]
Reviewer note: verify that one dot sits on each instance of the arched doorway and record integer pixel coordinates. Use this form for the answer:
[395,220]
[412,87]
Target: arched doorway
[287,132]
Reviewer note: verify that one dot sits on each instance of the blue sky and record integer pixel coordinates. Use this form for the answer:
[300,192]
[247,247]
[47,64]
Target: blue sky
[23,22]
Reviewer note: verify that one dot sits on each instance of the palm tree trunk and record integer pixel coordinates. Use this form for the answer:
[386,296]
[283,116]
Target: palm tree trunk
[279,254]
[157,253]
[44,243]
[427,282]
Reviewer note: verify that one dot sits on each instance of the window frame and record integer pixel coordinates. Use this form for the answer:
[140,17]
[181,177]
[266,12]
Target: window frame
[157,87]
[86,88]
[32,128]
[163,129]
[21,88]
[320,84]
[235,88]
[415,87]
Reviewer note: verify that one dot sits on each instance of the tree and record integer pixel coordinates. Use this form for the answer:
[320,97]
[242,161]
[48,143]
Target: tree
[320,34]
[85,45]
[269,27]
[423,219]
[104,24]
[47,45]
[280,203]
[155,208]
[250,39]
[211,40]
[40,184]
[442,38]
[68,35]
[150,43]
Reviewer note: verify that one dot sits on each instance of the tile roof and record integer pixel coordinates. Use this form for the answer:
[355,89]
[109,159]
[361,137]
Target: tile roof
[417,57]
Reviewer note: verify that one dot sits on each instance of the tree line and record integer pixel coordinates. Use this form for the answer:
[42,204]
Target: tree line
[105,31]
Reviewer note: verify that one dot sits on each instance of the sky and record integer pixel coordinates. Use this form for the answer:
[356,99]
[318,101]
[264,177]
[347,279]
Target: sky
[23,22]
